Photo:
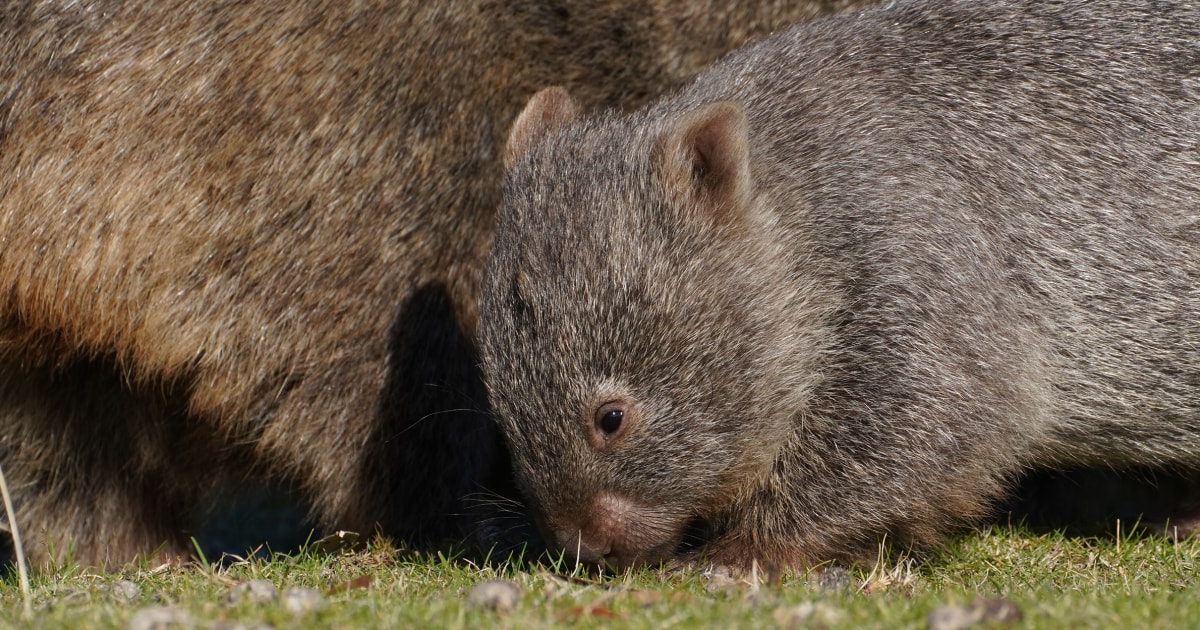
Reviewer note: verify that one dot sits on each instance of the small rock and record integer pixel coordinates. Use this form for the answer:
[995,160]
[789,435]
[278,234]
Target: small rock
[254,591]
[159,618]
[125,591]
[831,579]
[952,617]
[720,580]
[808,615]
[990,611]
[298,599]
[230,625]
[501,596]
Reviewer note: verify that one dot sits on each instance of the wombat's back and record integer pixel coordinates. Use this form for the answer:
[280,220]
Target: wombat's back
[1009,189]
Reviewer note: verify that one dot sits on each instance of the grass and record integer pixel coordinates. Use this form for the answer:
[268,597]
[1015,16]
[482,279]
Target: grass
[1054,580]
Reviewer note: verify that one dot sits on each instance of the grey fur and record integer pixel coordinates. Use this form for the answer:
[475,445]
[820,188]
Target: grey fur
[968,247]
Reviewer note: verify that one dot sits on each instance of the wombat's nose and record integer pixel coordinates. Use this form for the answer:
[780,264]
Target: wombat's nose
[602,533]
[587,548]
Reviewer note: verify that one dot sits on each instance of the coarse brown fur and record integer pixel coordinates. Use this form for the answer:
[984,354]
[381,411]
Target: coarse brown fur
[247,238]
[854,281]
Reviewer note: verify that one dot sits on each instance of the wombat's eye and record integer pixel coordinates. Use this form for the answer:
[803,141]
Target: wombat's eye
[610,422]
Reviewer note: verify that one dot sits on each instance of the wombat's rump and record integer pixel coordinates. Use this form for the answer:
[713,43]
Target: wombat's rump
[853,281]
[246,239]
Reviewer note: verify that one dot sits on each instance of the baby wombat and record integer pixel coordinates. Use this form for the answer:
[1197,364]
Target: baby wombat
[247,239]
[852,281]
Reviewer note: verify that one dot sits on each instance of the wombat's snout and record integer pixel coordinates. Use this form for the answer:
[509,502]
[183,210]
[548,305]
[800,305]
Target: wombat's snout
[615,531]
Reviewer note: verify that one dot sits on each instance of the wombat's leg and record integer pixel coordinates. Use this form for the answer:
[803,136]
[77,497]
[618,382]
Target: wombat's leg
[103,526]
[84,456]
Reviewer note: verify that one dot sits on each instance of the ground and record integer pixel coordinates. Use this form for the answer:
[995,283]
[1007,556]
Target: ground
[1009,575]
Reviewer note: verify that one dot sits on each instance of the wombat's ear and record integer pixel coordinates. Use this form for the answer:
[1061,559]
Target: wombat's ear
[548,110]
[706,155]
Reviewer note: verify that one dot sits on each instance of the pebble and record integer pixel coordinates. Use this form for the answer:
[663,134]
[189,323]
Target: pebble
[254,591]
[501,596]
[991,611]
[298,599]
[159,618]
[125,591]
[831,579]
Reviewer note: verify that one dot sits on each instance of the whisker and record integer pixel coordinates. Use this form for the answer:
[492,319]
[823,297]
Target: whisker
[432,414]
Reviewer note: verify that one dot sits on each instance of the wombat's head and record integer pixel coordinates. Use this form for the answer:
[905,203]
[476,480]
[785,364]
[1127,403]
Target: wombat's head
[638,326]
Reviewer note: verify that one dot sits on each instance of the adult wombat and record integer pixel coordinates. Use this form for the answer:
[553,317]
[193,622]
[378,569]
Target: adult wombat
[248,237]
[853,280]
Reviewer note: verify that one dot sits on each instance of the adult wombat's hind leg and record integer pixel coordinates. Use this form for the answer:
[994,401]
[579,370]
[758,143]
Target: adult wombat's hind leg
[90,464]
